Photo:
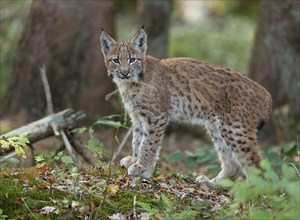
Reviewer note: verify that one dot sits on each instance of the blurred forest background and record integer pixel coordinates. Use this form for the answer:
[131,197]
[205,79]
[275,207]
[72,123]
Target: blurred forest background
[258,38]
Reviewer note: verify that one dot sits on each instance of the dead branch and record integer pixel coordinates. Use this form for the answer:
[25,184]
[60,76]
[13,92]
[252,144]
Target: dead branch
[47,90]
[8,156]
[43,128]
[81,150]
[69,147]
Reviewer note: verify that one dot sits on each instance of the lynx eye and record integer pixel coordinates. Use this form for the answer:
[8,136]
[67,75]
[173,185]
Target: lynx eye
[116,61]
[132,60]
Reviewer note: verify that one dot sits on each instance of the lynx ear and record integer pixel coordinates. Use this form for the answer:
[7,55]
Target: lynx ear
[139,41]
[106,42]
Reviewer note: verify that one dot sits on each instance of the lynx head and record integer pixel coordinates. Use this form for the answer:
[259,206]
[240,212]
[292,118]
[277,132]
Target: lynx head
[125,62]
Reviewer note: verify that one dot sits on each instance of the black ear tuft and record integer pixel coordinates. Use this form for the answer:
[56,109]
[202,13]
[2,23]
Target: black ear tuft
[143,26]
[102,29]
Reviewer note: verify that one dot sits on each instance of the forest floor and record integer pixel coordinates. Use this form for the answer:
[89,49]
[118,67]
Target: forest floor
[105,192]
[61,190]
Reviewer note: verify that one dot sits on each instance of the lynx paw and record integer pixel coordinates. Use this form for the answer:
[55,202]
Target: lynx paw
[204,180]
[138,170]
[127,161]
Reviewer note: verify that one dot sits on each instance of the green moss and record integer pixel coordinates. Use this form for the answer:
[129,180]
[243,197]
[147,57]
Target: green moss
[23,184]
[27,184]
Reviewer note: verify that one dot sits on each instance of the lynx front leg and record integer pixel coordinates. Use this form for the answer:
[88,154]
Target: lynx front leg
[153,131]
[137,137]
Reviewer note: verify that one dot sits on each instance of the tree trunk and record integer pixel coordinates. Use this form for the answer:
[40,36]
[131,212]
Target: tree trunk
[155,16]
[63,35]
[276,53]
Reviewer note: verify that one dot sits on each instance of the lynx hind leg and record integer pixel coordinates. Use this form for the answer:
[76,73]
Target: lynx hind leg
[247,153]
[137,137]
[242,141]
[230,166]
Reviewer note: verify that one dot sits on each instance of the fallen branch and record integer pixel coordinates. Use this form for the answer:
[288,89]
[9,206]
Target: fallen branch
[81,150]
[46,127]
[47,90]
[68,146]
[8,156]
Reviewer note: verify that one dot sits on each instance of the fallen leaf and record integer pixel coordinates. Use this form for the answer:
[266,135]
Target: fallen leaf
[145,216]
[19,201]
[117,216]
[113,189]
[75,204]
[160,178]
[42,169]
[51,180]
[43,186]
[24,181]
[53,200]
[163,185]
[158,216]
[49,210]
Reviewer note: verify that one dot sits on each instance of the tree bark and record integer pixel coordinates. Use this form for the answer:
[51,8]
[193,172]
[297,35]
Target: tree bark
[275,59]
[276,53]
[63,35]
[155,16]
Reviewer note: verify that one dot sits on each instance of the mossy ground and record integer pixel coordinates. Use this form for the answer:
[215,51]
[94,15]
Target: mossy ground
[105,191]
[94,192]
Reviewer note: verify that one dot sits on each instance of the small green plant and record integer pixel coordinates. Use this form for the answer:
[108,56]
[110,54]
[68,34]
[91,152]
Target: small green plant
[2,215]
[67,160]
[95,146]
[167,209]
[51,158]
[266,195]
[200,156]
[20,143]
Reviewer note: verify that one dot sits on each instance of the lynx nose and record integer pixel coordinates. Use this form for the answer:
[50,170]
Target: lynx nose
[125,72]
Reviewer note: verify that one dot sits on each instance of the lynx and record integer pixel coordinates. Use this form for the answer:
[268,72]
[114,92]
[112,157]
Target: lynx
[155,92]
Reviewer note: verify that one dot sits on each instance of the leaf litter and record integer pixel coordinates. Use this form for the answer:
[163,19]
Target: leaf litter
[84,190]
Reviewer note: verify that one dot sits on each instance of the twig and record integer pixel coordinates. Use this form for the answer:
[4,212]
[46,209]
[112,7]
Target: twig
[297,171]
[4,158]
[47,90]
[80,149]
[122,144]
[134,207]
[109,95]
[68,145]
[29,209]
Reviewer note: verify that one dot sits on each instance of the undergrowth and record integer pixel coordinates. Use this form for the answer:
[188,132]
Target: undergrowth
[266,195]
[57,189]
